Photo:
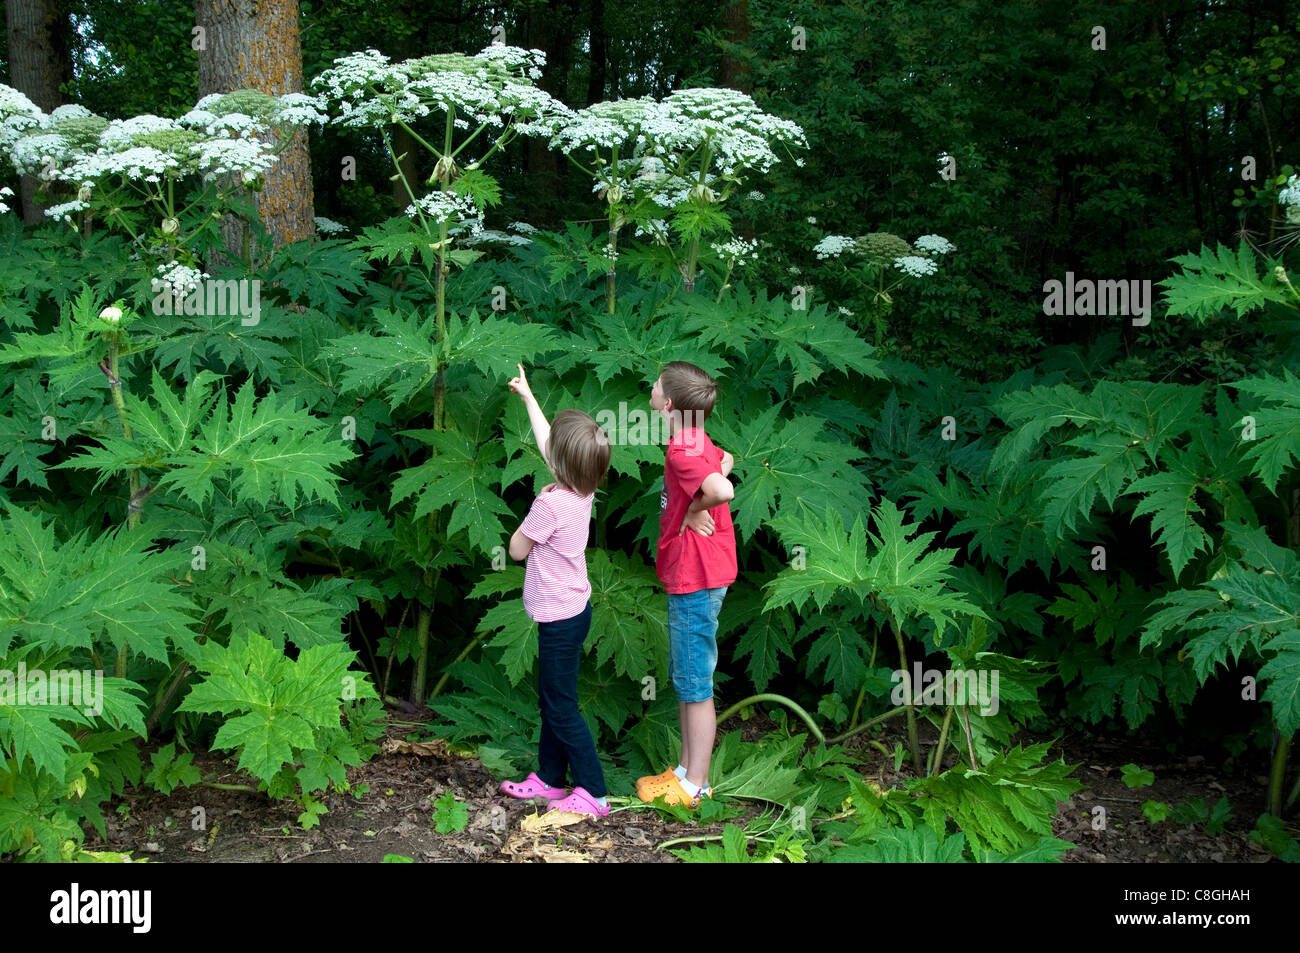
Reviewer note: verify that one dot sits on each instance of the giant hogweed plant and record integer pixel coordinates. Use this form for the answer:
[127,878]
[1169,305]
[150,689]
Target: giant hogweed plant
[669,167]
[493,98]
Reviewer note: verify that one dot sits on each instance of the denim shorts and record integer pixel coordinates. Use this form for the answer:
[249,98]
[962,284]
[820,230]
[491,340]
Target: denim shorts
[692,642]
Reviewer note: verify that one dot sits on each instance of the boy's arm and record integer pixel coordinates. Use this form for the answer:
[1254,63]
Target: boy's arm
[714,491]
[728,461]
[541,429]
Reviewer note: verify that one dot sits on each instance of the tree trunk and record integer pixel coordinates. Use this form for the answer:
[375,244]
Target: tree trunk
[599,54]
[735,24]
[254,44]
[550,29]
[40,34]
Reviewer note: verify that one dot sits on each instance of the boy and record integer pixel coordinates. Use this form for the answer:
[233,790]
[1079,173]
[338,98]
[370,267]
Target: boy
[696,564]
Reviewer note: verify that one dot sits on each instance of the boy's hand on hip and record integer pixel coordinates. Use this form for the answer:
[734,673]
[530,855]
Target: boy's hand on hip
[701,522]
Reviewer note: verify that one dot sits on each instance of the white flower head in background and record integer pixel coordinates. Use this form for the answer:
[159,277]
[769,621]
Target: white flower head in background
[327,226]
[916,266]
[832,246]
[933,244]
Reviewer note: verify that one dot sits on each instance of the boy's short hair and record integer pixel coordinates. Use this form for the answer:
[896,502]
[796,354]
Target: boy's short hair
[690,389]
[579,451]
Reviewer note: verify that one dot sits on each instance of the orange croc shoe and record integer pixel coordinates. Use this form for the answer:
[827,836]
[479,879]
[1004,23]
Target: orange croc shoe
[674,793]
[652,785]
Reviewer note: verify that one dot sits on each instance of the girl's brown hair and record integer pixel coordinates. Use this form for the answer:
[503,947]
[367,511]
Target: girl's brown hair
[579,451]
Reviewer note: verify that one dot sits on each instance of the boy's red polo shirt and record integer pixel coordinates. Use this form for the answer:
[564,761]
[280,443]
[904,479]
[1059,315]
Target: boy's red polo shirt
[690,562]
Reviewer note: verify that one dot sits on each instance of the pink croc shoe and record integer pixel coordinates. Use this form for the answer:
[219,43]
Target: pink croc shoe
[580,802]
[531,787]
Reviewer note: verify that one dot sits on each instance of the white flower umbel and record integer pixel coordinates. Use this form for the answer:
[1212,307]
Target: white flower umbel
[179,280]
[489,89]
[656,229]
[5,193]
[121,132]
[933,244]
[248,158]
[1290,194]
[327,226]
[139,162]
[738,251]
[493,236]
[17,115]
[33,154]
[832,246]
[65,211]
[916,266]
[457,211]
[523,228]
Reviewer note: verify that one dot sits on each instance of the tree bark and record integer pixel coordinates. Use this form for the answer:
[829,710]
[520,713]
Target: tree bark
[735,70]
[254,44]
[40,35]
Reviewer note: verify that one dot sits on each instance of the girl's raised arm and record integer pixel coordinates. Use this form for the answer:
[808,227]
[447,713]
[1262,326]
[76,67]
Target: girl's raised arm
[541,428]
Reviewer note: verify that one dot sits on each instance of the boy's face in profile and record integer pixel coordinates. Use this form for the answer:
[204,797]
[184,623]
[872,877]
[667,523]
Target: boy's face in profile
[657,400]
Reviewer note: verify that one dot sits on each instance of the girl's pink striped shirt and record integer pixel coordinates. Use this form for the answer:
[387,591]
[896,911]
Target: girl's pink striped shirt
[555,580]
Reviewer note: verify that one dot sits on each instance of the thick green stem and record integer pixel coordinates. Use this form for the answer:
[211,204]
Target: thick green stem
[134,503]
[422,626]
[767,697]
[936,758]
[862,692]
[459,658]
[867,724]
[910,695]
[1294,795]
[1277,777]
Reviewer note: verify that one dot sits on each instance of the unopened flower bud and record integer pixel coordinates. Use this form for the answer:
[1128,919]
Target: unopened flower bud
[615,194]
[1280,274]
[111,315]
[170,226]
[83,194]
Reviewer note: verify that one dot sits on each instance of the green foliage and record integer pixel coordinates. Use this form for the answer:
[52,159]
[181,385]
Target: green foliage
[1156,811]
[282,716]
[1196,811]
[449,815]
[171,771]
[1220,278]
[1136,777]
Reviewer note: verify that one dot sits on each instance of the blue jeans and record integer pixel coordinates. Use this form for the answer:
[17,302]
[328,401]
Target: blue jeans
[566,741]
[693,643]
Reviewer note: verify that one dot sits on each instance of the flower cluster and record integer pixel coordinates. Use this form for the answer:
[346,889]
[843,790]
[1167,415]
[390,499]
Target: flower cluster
[1290,197]
[934,245]
[491,88]
[832,246]
[916,266]
[458,211]
[723,124]
[327,226]
[5,192]
[224,133]
[179,280]
[17,115]
[738,251]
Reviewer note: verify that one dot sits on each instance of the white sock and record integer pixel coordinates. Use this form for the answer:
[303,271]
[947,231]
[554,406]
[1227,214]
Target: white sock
[692,790]
[601,801]
[680,771]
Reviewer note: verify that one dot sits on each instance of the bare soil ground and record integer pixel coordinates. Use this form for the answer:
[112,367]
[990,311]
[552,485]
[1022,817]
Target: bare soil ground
[389,812]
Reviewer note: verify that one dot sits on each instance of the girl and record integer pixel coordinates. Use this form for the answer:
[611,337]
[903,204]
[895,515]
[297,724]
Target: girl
[553,538]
